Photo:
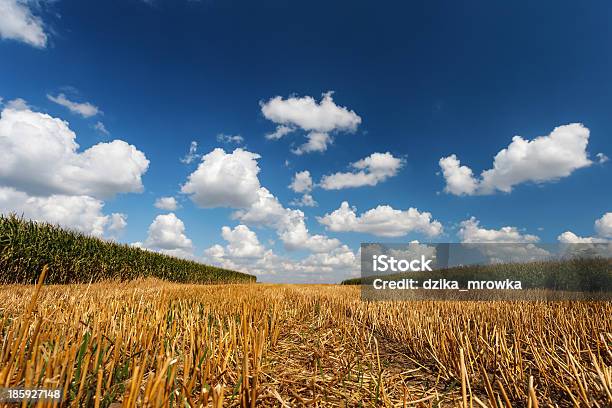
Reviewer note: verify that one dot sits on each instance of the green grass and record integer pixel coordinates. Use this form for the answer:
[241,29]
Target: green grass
[72,257]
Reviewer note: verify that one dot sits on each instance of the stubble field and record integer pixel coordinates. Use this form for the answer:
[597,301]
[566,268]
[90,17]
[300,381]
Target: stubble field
[154,343]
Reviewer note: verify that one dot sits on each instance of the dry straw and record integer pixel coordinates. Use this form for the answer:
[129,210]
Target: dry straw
[154,343]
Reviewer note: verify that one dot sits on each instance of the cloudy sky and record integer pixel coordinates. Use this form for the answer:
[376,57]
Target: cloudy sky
[275,139]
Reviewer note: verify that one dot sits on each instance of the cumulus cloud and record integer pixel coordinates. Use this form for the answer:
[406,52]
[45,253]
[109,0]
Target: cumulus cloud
[305,201]
[192,155]
[459,179]
[231,180]
[317,142]
[79,212]
[369,171]
[266,210]
[224,179]
[519,247]
[167,235]
[384,221]
[260,266]
[242,242]
[340,258]
[318,119]
[543,159]
[569,237]
[17,104]
[412,250]
[117,222]
[101,129]
[472,232]
[302,182]
[17,22]
[166,203]
[223,138]
[295,235]
[39,155]
[306,113]
[601,158]
[290,224]
[85,109]
[603,228]
[43,176]
[252,257]
[280,131]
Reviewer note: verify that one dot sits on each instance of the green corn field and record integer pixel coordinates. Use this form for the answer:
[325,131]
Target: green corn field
[26,246]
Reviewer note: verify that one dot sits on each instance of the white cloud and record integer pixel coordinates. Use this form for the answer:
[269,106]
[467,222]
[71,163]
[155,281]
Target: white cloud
[223,138]
[569,237]
[100,128]
[340,258]
[302,182]
[543,159]
[331,266]
[309,115]
[180,253]
[471,232]
[117,223]
[317,142]
[412,250]
[224,180]
[43,177]
[371,170]
[38,155]
[318,119]
[215,252]
[167,234]
[459,179]
[17,104]
[231,180]
[383,221]
[280,131]
[305,201]
[85,109]
[266,210]
[192,154]
[17,22]
[603,226]
[290,224]
[166,203]
[266,264]
[601,158]
[295,235]
[242,242]
[78,212]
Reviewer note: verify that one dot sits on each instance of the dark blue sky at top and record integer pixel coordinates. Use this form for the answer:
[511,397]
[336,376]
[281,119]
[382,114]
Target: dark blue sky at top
[428,78]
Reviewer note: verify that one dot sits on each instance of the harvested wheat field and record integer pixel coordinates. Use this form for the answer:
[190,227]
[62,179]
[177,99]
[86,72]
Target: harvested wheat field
[153,343]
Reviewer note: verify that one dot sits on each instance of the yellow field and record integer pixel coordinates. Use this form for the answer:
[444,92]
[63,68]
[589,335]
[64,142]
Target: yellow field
[154,343]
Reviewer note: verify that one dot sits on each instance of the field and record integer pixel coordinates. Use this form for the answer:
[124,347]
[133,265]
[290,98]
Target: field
[114,325]
[153,343]
[71,257]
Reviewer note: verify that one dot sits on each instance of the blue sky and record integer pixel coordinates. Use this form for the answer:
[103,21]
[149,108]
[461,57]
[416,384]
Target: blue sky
[426,79]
